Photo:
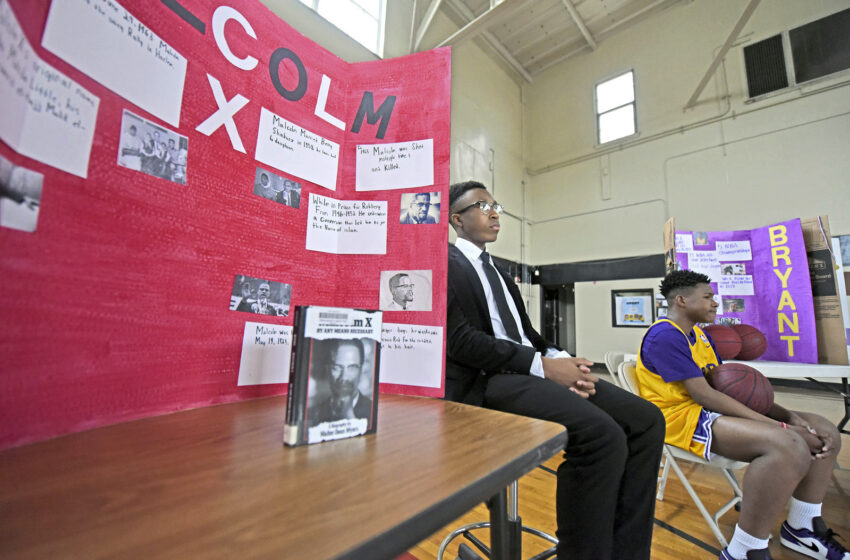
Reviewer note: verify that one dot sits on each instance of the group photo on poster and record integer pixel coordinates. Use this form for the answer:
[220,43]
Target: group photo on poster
[152,149]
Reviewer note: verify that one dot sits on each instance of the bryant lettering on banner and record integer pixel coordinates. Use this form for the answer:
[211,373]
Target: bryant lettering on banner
[177,176]
[760,278]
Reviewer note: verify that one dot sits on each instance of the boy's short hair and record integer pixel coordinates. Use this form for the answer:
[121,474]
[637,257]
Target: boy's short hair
[459,189]
[681,280]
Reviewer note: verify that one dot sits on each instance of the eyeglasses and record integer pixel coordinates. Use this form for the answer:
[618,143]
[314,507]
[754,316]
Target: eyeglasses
[485,207]
[405,286]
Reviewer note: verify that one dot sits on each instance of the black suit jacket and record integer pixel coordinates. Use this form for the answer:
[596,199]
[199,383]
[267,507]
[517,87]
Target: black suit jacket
[472,350]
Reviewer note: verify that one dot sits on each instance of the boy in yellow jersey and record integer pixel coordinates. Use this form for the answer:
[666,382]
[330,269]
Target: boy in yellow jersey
[791,454]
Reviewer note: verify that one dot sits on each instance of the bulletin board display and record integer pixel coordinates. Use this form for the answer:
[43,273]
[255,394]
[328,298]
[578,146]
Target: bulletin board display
[178,176]
[761,278]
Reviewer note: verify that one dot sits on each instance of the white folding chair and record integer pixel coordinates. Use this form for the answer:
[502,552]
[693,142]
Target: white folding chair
[613,359]
[627,377]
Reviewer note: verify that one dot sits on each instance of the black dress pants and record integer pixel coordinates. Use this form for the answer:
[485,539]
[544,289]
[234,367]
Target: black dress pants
[605,498]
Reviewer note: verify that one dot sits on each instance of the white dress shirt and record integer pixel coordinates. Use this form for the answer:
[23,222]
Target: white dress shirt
[473,253]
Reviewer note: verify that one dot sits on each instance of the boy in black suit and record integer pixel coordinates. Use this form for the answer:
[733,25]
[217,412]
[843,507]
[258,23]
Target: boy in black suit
[606,486]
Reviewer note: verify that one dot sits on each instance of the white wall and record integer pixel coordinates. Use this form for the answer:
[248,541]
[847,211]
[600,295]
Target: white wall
[749,165]
[725,164]
[595,336]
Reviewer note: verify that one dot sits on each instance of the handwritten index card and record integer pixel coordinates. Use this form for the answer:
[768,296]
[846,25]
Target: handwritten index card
[398,165]
[266,352]
[296,150]
[411,354]
[44,114]
[347,227]
[102,39]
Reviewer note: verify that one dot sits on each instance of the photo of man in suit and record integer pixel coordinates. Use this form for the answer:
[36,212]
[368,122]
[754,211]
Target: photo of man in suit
[401,288]
[417,211]
[605,494]
[344,400]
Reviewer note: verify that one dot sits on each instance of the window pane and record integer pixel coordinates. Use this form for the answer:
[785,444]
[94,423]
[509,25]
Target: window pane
[372,7]
[617,124]
[615,92]
[356,23]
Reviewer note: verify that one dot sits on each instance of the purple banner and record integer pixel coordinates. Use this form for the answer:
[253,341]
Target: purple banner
[761,278]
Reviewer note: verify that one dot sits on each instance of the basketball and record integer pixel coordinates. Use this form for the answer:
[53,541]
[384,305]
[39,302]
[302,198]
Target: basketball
[743,383]
[753,342]
[726,341]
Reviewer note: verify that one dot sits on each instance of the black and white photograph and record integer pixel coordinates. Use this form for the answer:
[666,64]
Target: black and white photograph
[20,196]
[405,290]
[262,297]
[420,208]
[728,321]
[279,189]
[152,149]
[341,380]
[729,269]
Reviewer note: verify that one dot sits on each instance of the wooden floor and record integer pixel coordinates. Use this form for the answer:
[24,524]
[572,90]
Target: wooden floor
[680,531]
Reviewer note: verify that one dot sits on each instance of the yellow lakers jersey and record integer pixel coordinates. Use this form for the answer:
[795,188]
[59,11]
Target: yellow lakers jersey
[681,412]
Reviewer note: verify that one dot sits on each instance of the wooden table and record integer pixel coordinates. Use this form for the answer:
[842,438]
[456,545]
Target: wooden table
[217,482]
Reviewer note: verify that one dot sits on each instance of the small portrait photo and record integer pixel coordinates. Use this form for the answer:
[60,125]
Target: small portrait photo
[263,297]
[420,208]
[729,321]
[341,382]
[20,196]
[279,189]
[733,305]
[700,238]
[147,147]
[729,269]
[405,290]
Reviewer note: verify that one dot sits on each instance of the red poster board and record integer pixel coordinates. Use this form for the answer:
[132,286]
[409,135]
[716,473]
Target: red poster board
[117,306]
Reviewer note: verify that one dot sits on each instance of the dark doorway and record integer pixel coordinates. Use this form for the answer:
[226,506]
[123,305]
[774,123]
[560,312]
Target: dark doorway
[558,316]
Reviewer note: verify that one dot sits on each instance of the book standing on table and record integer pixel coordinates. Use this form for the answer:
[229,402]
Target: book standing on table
[333,387]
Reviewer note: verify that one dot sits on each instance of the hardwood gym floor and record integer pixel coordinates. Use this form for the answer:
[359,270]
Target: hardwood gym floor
[680,531]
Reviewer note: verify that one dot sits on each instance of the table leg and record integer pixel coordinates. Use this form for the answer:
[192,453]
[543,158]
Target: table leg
[845,394]
[505,533]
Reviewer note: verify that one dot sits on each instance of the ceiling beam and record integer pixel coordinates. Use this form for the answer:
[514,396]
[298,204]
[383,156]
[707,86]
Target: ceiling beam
[568,4]
[479,24]
[467,14]
[412,28]
[643,12]
[426,22]
[721,54]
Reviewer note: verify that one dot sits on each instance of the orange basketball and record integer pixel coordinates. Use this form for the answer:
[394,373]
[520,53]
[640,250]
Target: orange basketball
[726,341]
[753,342]
[743,383]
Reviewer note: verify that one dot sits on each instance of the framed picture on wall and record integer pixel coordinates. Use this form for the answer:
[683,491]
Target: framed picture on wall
[632,308]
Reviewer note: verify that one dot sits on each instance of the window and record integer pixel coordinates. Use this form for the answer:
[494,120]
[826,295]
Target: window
[615,108]
[362,20]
